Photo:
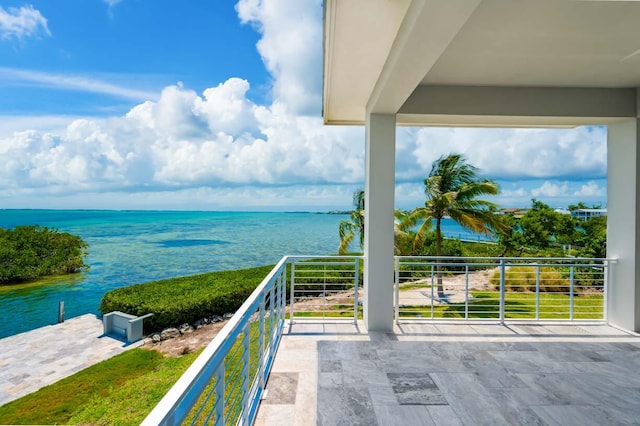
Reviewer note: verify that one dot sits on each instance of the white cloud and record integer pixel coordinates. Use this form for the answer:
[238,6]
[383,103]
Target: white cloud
[10,124]
[185,141]
[73,82]
[112,3]
[22,22]
[517,153]
[549,189]
[591,189]
[291,48]
[219,150]
[514,193]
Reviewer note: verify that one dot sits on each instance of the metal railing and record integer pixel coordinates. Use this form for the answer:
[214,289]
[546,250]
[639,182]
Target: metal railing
[225,383]
[541,289]
[324,288]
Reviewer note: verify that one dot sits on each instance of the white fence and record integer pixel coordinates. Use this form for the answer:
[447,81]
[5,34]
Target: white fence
[454,288]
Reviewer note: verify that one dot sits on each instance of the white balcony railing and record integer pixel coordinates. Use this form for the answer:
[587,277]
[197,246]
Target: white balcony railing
[325,288]
[453,288]
[225,383]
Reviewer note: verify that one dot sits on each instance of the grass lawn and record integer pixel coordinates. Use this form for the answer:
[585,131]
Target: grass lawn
[486,305]
[124,389]
[121,390]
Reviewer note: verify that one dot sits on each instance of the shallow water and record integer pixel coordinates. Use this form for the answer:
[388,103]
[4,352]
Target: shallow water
[129,247]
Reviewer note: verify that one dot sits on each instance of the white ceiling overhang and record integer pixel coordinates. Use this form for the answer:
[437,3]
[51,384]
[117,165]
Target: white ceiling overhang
[481,62]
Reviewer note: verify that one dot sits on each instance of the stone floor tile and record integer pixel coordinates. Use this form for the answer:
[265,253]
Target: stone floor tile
[383,395]
[275,414]
[415,389]
[394,415]
[281,389]
[345,406]
[575,415]
[469,399]
[443,415]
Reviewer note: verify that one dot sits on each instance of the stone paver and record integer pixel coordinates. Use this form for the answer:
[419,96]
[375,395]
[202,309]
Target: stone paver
[464,374]
[37,358]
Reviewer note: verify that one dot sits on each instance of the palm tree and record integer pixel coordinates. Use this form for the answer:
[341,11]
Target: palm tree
[405,233]
[354,225]
[452,188]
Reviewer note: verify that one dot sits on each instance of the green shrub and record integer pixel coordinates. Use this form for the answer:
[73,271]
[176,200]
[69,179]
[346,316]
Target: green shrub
[186,299]
[523,278]
[30,252]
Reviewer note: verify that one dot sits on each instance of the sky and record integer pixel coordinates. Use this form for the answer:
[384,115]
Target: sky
[216,105]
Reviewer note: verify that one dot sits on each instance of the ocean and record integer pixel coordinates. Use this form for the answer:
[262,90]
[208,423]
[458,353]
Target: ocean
[129,247]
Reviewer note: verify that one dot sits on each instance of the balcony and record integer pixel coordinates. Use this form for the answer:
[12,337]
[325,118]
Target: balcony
[496,347]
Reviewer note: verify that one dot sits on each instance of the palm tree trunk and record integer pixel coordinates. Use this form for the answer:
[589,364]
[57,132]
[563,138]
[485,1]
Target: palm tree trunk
[438,254]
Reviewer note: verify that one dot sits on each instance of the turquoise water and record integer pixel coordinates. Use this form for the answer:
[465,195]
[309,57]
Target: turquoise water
[129,247]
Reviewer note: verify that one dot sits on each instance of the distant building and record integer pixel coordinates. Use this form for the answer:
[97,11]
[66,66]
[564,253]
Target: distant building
[586,214]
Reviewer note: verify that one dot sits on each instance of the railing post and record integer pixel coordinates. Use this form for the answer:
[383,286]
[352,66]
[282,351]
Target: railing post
[219,405]
[246,347]
[502,290]
[396,279]
[292,291]
[283,299]
[273,319]
[325,298]
[605,286]
[466,292]
[356,289]
[261,338]
[571,282]
[432,295]
[537,291]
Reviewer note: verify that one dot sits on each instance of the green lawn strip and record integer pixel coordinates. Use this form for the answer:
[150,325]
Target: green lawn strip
[486,305]
[59,402]
[331,311]
[132,401]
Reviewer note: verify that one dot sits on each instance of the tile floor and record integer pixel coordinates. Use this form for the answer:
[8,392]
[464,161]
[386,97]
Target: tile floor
[454,374]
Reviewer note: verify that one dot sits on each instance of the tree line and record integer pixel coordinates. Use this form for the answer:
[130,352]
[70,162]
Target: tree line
[31,252]
[453,189]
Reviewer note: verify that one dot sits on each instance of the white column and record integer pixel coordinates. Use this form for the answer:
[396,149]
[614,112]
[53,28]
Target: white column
[623,223]
[378,223]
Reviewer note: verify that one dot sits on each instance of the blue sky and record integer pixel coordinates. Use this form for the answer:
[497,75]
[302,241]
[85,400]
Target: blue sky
[156,104]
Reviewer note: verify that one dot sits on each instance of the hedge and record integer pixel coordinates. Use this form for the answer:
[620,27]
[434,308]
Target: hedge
[175,301]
